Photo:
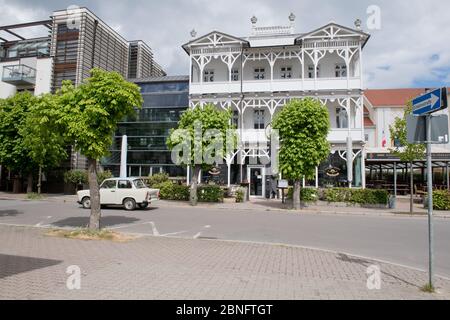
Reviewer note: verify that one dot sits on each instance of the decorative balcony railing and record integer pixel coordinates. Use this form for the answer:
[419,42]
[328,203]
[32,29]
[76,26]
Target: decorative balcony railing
[19,74]
[250,137]
[263,31]
[282,85]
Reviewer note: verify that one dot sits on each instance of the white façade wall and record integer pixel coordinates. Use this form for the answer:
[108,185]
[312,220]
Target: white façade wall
[385,117]
[371,134]
[43,76]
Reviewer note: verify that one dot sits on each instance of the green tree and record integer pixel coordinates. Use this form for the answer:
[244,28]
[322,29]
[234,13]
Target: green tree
[192,134]
[14,153]
[42,136]
[90,114]
[303,127]
[405,151]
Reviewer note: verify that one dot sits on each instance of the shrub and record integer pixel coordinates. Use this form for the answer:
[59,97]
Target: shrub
[306,194]
[102,176]
[240,195]
[356,196]
[336,195]
[210,193]
[76,177]
[180,192]
[157,179]
[441,200]
[171,191]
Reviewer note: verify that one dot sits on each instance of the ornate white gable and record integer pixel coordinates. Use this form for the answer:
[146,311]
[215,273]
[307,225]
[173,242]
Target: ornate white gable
[214,39]
[333,31]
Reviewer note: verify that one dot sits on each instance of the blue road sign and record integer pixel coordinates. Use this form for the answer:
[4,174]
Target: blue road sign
[430,102]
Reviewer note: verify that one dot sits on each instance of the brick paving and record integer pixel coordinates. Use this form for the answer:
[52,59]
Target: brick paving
[33,266]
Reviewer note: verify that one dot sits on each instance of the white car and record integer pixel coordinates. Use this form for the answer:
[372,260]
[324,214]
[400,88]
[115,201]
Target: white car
[129,192]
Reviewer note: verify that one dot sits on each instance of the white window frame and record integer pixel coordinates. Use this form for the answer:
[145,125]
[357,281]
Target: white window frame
[342,118]
[286,72]
[234,74]
[258,115]
[311,71]
[208,75]
[259,73]
[340,70]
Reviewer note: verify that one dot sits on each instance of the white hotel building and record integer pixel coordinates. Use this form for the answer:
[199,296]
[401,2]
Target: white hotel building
[257,75]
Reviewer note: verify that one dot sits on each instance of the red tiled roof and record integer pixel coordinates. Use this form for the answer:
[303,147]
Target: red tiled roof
[368,122]
[392,97]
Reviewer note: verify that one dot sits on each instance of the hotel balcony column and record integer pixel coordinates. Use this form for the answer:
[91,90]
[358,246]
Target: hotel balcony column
[303,68]
[361,67]
[363,152]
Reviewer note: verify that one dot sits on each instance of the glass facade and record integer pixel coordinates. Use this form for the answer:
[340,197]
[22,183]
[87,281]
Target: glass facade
[147,130]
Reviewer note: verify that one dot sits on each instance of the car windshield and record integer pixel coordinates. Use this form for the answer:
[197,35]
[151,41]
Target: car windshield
[139,184]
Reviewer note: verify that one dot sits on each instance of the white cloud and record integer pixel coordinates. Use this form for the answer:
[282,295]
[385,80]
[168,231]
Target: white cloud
[412,31]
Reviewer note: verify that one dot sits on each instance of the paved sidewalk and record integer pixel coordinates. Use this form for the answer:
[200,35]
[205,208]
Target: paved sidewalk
[54,197]
[33,266]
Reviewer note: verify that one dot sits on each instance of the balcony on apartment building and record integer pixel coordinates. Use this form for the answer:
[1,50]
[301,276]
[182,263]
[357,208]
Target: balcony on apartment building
[284,79]
[19,75]
[251,138]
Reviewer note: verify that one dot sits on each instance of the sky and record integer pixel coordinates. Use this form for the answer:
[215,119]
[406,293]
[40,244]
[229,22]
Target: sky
[409,44]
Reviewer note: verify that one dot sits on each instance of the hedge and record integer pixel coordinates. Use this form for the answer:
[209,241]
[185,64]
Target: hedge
[210,193]
[157,179]
[356,196]
[170,191]
[76,177]
[306,194]
[441,200]
[206,193]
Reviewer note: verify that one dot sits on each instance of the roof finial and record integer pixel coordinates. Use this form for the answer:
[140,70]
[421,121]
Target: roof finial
[254,20]
[193,33]
[358,24]
[292,17]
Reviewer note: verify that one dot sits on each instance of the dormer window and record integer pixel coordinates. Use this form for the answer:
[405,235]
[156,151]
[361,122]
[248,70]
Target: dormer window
[208,75]
[286,72]
[259,73]
[341,70]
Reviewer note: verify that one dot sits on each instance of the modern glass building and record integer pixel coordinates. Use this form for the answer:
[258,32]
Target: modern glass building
[165,99]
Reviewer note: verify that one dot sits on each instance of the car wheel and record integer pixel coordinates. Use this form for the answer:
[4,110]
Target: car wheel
[143,205]
[129,204]
[86,203]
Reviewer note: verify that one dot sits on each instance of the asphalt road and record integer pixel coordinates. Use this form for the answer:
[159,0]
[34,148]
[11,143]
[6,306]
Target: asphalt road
[401,240]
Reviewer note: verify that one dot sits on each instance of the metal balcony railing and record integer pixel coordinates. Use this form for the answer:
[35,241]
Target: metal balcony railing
[19,74]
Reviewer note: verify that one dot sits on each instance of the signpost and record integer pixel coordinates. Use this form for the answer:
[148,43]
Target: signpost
[430,102]
[423,107]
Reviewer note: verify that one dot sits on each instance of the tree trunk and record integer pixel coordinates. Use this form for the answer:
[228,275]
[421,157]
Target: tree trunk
[194,185]
[94,220]
[296,196]
[411,199]
[39,185]
[30,183]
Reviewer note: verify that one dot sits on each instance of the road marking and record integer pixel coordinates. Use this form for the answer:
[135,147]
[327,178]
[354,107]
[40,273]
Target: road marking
[40,224]
[197,235]
[207,227]
[173,233]
[155,231]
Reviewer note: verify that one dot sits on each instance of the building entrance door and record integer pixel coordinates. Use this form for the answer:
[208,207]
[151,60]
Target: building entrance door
[257,182]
